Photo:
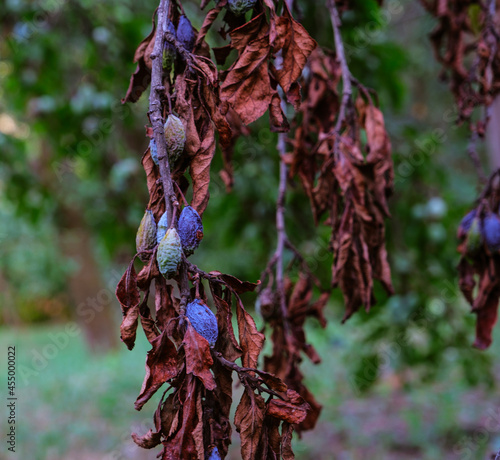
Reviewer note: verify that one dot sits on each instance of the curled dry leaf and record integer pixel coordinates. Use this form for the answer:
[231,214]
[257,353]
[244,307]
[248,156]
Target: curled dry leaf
[129,297]
[198,358]
[248,421]
[148,441]
[161,366]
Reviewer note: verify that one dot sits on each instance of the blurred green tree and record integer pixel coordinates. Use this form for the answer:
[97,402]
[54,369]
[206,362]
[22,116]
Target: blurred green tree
[71,174]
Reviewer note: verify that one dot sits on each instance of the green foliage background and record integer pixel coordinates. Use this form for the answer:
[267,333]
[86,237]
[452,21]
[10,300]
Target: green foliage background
[66,142]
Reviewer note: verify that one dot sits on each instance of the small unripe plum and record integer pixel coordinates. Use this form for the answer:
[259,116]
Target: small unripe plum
[186,33]
[146,235]
[491,232]
[175,136]
[169,253]
[203,320]
[190,229]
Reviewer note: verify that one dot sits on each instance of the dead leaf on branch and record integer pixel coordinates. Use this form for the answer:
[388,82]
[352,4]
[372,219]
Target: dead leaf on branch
[295,44]
[161,366]
[251,340]
[198,357]
[148,441]
[141,78]
[129,297]
[248,421]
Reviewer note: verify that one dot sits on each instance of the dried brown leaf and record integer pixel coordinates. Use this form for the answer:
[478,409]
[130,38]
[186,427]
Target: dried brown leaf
[161,366]
[248,421]
[198,357]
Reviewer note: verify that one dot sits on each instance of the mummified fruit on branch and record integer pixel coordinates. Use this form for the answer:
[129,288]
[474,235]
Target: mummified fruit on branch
[203,320]
[239,7]
[153,150]
[185,33]
[175,135]
[162,227]
[491,232]
[190,229]
[146,235]
[169,51]
[169,253]
[266,303]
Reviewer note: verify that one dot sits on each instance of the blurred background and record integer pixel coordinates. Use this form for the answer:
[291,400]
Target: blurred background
[401,382]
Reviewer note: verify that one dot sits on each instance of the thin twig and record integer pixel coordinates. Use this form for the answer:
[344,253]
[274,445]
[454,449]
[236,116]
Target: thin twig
[280,229]
[346,73]
[471,150]
[245,373]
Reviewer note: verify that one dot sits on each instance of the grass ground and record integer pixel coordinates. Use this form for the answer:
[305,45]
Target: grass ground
[75,405]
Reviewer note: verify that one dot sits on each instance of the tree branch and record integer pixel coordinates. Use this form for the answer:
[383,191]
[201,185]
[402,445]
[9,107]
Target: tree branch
[472,151]
[346,73]
[280,229]
[156,118]
[155,106]
[246,374]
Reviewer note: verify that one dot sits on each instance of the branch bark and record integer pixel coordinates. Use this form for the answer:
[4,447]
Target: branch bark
[155,106]
[346,73]
[157,122]
[280,229]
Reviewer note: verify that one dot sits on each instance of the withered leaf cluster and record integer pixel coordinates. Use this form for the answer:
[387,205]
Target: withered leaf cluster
[479,266]
[289,337]
[192,420]
[348,181]
[466,43]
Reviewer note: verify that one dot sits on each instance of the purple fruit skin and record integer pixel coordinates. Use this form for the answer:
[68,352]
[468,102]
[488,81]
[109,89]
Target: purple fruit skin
[491,232]
[467,221]
[169,51]
[190,229]
[185,33]
[214,455]
[203,320]
[154,151]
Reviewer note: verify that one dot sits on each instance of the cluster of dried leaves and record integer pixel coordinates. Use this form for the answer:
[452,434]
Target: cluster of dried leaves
[288,334]
[479,266]
[466,43]
[192,418]
[347,181]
